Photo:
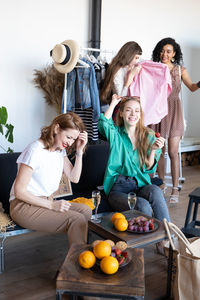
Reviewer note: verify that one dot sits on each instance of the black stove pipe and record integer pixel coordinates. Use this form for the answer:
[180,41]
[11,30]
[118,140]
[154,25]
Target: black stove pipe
[96,26]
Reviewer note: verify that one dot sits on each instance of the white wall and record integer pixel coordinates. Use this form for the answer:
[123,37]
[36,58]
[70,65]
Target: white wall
[30,28]
[146,22]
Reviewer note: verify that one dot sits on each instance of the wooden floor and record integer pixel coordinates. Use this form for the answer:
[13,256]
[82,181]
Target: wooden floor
[33,259]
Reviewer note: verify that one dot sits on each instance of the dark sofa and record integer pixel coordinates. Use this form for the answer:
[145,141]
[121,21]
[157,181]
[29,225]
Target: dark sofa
[94,166]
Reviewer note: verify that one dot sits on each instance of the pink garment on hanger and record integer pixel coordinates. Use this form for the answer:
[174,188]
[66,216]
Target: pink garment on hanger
[153,86]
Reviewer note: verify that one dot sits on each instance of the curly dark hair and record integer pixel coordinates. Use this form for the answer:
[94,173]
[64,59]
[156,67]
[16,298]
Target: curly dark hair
[178,58]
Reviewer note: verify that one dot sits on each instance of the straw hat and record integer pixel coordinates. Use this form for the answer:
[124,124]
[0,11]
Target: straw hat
[65,56]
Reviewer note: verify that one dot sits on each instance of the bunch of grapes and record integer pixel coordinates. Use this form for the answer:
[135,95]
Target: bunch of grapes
[140,224]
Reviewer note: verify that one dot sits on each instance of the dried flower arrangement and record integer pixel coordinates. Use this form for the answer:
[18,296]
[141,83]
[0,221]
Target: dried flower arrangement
[51,82]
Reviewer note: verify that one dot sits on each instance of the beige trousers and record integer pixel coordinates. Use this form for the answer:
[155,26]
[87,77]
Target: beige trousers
[74,221]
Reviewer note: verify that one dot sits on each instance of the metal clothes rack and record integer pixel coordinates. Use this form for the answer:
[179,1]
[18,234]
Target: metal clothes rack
[98,50]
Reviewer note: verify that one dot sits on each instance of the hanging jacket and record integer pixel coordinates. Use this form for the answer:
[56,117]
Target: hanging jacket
[153,86]
[82,90]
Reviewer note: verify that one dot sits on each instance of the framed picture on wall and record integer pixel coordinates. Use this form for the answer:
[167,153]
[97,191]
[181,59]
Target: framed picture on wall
[65,188]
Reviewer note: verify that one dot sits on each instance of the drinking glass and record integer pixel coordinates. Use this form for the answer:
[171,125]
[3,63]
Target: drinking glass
[132,200]
[96,198]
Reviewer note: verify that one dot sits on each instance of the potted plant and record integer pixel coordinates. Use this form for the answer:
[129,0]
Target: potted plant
[6,129]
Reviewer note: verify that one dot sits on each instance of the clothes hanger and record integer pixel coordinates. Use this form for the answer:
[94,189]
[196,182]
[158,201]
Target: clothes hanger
[82,63]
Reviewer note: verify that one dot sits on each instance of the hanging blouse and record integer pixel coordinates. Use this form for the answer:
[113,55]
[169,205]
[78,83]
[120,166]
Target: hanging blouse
[153,86]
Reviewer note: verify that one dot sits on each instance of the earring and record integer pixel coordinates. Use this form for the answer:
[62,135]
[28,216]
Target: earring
[172,60]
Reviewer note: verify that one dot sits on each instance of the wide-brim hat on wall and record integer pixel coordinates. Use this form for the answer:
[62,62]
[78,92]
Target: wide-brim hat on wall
[65,56]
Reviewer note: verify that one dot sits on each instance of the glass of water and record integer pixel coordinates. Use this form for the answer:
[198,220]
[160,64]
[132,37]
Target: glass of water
[96,198]
[132,200]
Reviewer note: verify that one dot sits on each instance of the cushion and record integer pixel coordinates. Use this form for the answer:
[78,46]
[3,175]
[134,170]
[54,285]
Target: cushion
[94,166]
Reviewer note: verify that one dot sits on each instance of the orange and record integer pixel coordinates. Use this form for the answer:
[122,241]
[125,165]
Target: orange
[109,265]
[87,259]
[117,215]
[102,249]
[121,224]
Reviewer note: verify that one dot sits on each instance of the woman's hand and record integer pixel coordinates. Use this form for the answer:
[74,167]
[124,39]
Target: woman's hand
[81,141]
[158,144]
[60,205]
[115,99]
[132,72]
[135,70]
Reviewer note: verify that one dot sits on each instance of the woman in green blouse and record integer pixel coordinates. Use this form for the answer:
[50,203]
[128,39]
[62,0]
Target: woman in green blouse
[134,154]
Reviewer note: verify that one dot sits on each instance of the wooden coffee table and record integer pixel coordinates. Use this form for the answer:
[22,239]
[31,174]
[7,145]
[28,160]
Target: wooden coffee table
[75,281]
[106,230]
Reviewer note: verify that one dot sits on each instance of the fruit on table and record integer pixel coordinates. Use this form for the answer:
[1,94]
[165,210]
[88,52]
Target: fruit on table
[109,265]
[87,259]
[121,224]
[157,134]
[121,245]
[112,244]
[140,224]
[95,243]
[102,249]
[120,255]
[117,215]
[125,254]
[117,251]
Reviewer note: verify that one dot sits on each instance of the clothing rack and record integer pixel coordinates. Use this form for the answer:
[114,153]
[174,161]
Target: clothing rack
[82,64]
[98,50]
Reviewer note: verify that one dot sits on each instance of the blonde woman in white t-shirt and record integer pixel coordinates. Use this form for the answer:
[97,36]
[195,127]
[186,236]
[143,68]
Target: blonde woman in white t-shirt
[40,168]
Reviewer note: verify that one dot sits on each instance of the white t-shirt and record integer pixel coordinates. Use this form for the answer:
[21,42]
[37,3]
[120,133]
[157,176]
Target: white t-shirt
[119,80]
[47,169]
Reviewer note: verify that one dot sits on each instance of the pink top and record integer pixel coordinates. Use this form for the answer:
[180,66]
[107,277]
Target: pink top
[153,86]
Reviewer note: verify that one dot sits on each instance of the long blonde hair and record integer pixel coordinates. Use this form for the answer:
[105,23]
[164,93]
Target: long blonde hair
[66,121]
[122,59]
[141,132]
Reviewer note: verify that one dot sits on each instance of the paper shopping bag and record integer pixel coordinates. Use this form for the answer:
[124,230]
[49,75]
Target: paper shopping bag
[186,260]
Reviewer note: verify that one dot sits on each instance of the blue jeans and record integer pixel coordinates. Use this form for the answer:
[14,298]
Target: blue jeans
[150,199]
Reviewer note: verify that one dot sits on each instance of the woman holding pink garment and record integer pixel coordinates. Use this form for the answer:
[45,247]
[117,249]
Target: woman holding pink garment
[121,72]
[171,127]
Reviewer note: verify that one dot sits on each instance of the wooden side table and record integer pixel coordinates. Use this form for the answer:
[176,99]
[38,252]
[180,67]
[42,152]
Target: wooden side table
[127,283]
